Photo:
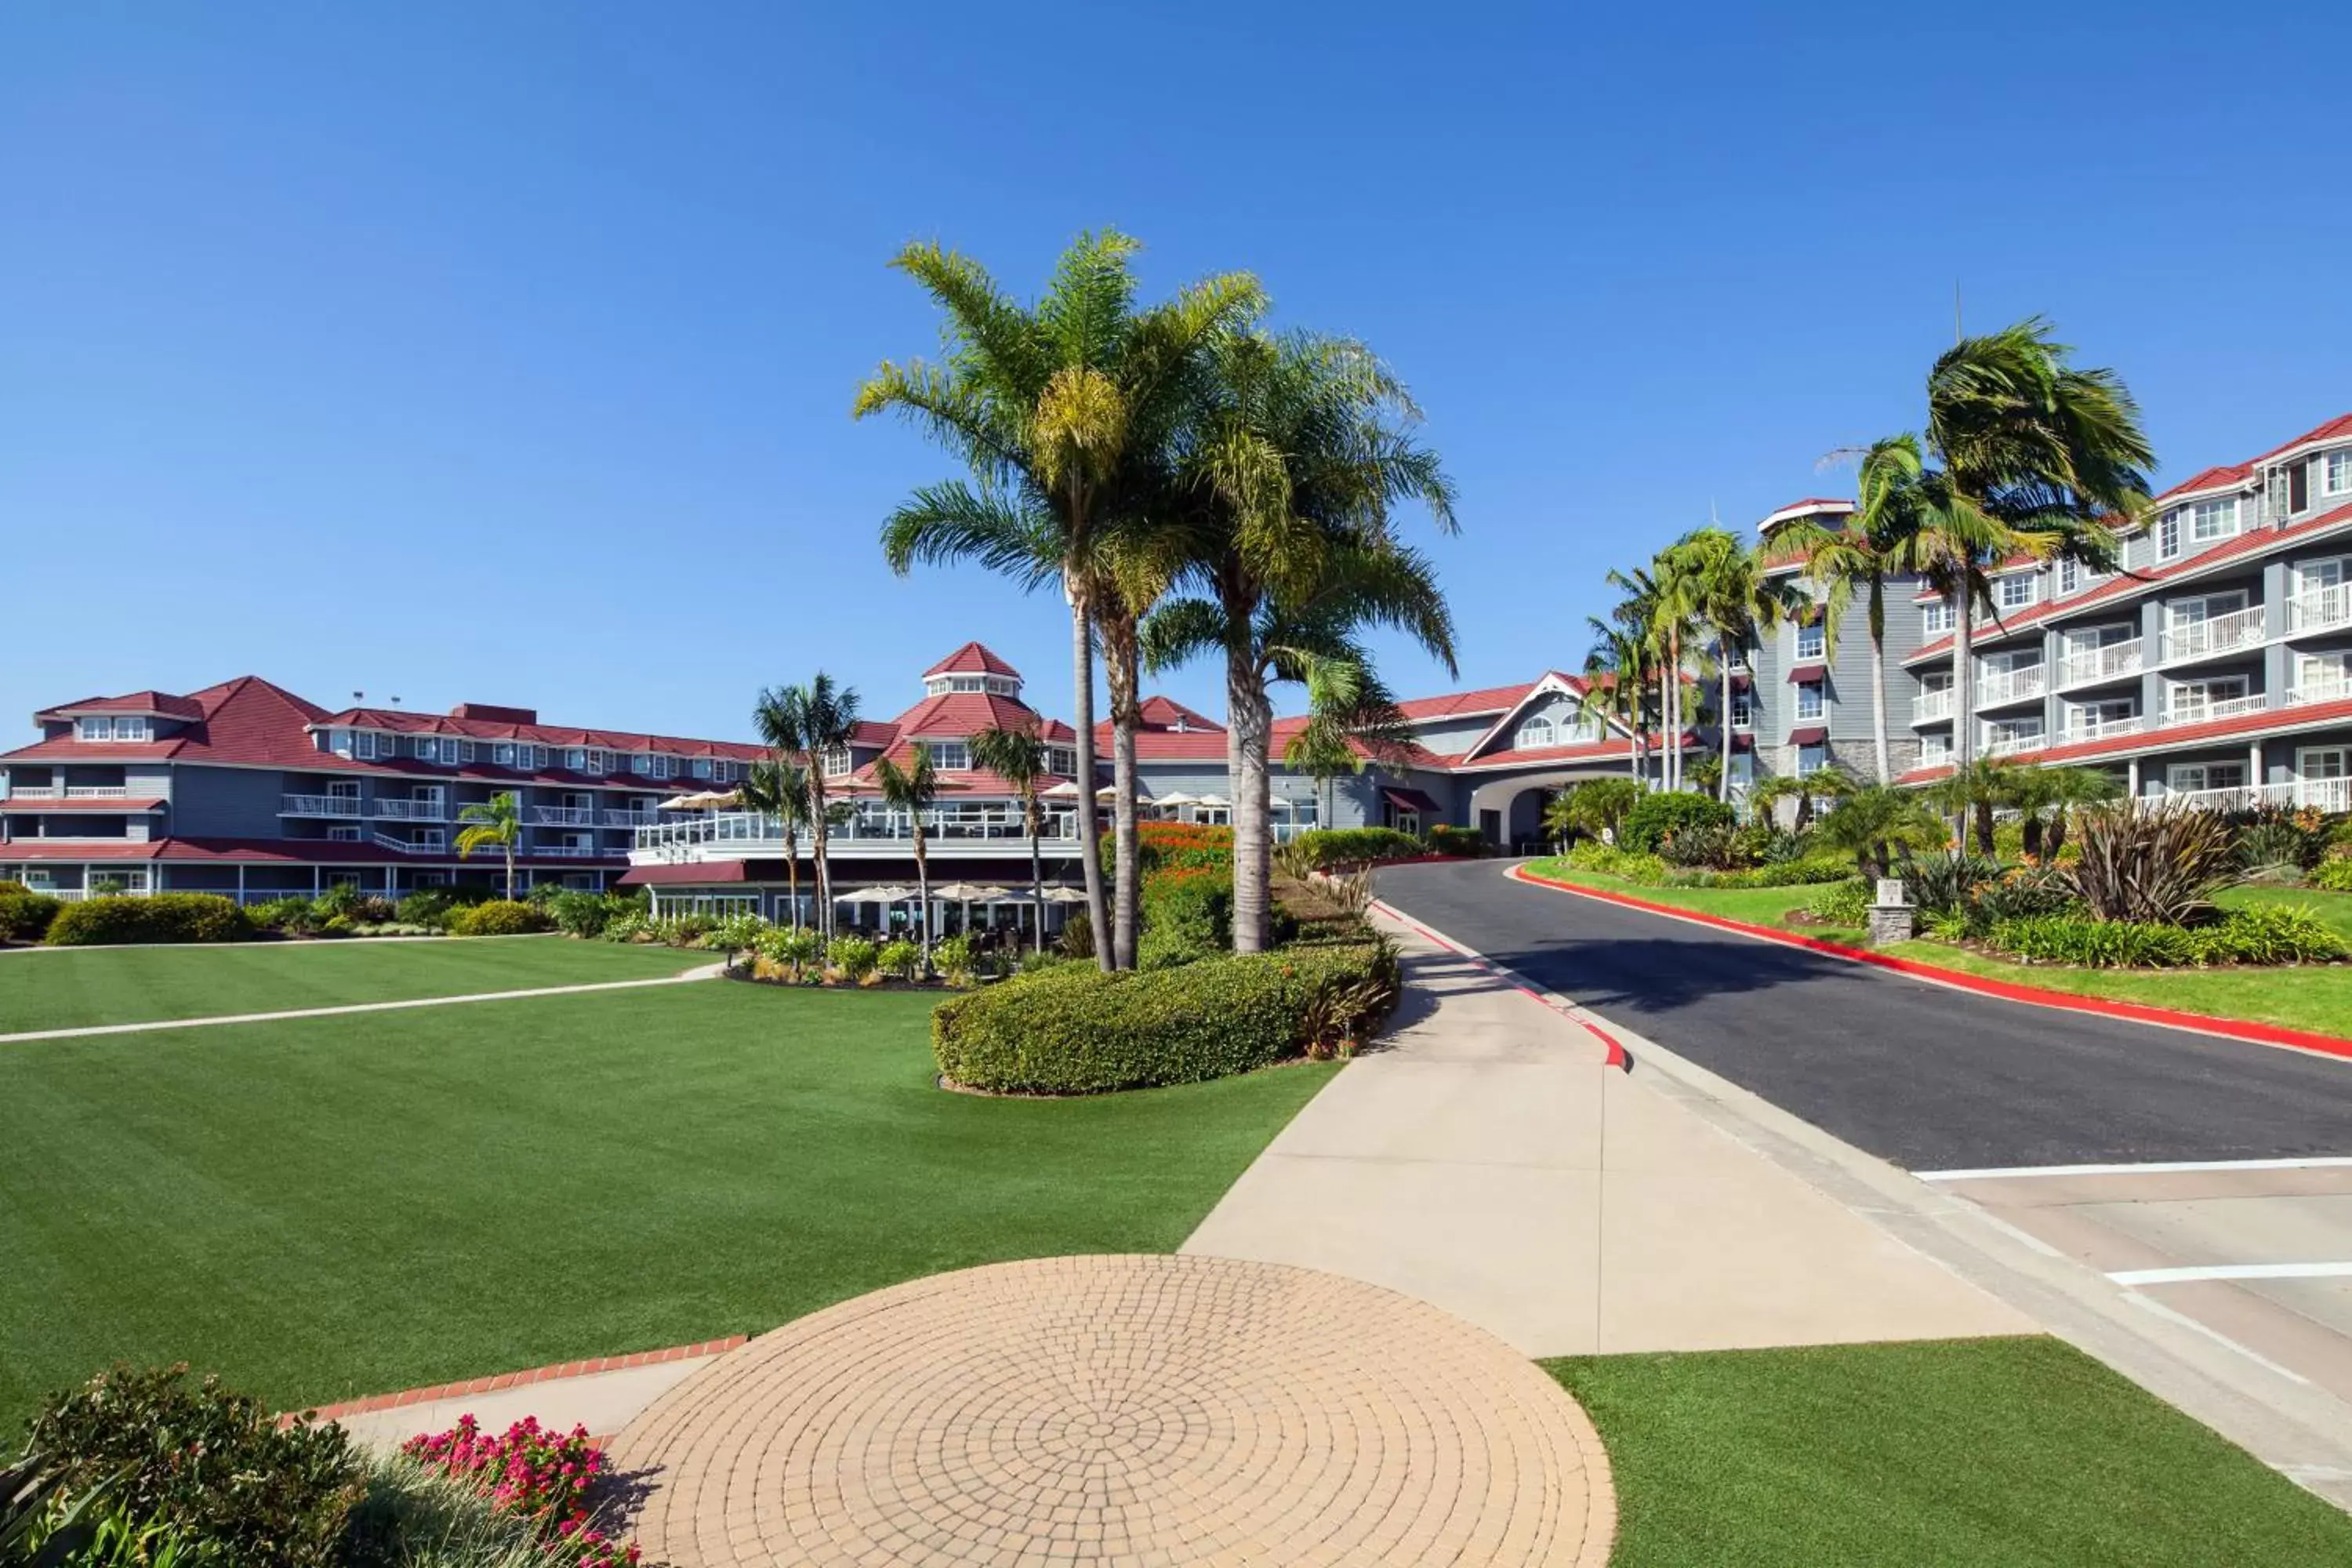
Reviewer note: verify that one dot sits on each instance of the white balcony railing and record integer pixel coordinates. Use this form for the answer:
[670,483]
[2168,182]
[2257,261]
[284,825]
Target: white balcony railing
[1930,706]
[2206,713]
[2019,684]
[627,818]
[2322,795]
[2113,662]
[425,843]
[2320,691]
[2318,609]
[561,815]
[412,810]
[2011,743]
[573,851]
[68,792]
[742,829]
[319,805]
[2222,634]
[2082,729]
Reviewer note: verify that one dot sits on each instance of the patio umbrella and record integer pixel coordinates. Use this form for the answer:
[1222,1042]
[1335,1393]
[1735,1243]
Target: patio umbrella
[1213,800]
[1066,790]
[881,895]
[967,894]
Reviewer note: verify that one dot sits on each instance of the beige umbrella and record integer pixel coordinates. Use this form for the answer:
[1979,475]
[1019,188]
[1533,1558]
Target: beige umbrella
[1213,800]
[1066,790]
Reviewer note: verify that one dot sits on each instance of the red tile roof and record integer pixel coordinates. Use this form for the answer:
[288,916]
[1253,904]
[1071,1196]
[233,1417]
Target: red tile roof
[1456,704]
[2222,476]
[2253,541]
[973,658]
[2302,716]
[159,702]
[1166,713]
[265,851]
[2338,427]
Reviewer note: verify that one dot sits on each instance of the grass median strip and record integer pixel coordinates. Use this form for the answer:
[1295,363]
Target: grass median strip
[327,1208]
[86,987]
[2007,1453]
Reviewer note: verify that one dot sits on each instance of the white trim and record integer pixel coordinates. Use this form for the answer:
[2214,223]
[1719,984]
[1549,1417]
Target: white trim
[2192,1274]
[1550,681]
[2153,1168]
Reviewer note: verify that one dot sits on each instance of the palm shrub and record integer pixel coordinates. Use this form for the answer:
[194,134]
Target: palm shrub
[2150,863]
[1654,817]
[1873,822]
[1948,883]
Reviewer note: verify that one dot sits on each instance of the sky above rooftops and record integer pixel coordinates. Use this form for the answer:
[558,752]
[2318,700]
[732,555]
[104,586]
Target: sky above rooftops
[504,354]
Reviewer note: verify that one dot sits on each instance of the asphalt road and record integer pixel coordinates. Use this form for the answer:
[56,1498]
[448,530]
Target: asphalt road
[1927,1078]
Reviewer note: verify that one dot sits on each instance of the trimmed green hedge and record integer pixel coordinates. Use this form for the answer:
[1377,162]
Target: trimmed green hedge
[1658,816]
[500,917]
[1448,840]
[1186,916]
[161,916]
[2266,934]
[1324,848]
[26,917]
[1076,1030]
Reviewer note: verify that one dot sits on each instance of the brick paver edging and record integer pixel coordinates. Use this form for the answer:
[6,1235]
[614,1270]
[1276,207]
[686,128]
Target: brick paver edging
[506,1380]
[1960,980]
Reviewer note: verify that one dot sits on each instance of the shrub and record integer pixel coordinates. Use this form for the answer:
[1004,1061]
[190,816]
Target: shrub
[682,930]
[10,885]
[415,1518]
[1662,813]
[164,917]
[2023,893]
[902,960]
[1448,840]
[1597,805]
[1173,846]
[1936,882]
[340,899]
[2278,844]
[851,957]
[2263,935]
[736,934]
[1186,915]
[500,917]
[2269,933]
[2153,864]
[1715,846]
[586,914]
[1321,848]
[292,914]
[1076,937]
[533,1475]
[1786,874]
[2335,874]
[26,917]
[958,959]
[428,907]
[1845,903]
[207,1464]
[1035,961]
[635,926]
[1073,1029]
[793,950]
[374,910]
[1591,855]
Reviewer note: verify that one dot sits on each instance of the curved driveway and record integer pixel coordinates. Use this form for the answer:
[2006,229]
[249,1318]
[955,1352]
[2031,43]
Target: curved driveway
[1928,1077]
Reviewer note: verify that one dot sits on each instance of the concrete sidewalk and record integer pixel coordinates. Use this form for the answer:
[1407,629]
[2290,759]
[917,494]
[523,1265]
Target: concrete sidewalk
[1485,1159]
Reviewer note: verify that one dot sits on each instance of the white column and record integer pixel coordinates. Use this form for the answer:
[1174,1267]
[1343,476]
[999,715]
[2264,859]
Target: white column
[2131,786]
[2254,778]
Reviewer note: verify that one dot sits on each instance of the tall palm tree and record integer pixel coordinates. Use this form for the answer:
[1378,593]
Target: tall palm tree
[1351,718]
[1616,689]
[811,721]
[1018,757]
[913,789]
[1853,562]
[778,787]
[1062,412]
[498,821]
[1298,448]
[2025,454]
[1872,822]
[1737,599]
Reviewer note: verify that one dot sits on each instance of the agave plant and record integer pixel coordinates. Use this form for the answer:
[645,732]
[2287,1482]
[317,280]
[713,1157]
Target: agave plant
[2154,863]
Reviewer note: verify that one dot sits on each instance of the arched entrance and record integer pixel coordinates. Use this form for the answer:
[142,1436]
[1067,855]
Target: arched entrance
[1508,812]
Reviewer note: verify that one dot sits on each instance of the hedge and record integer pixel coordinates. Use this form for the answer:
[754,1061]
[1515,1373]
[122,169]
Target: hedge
[26,917]
[161,916]
[2263,936]
[1447,840]
[1657,815]
[1186,915]
[1324,848]
[1073,1029]
[500,917]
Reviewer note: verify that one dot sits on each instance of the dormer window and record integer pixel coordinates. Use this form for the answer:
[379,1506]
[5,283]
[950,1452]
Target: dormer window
[1062,760]
[950,756]
[702,767]
[836,762]
[722,771]
[118,727]
[2336,472]
[1534,734]
[2015,590]
[972,685]
[2213,520]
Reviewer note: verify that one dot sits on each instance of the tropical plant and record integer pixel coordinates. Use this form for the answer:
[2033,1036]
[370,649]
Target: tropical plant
[1018,757]
[1971,794]
[2048,797]
[1657,815]
[900,960]
[1873,822]
[493,823]
[855,958]
[779,787]
[1948,883]
[1350,720]
[2143,862]
[1733,596]
[809,724]
[2025,454]
[1616,688]
[1295,453]
[1822,784]
[1065,414]
[1852,563]
[913,788]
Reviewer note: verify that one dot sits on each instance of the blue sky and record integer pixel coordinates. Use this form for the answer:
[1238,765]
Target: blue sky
[504,352]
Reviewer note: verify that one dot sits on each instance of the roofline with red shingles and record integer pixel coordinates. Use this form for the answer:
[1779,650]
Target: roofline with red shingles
[2261,724]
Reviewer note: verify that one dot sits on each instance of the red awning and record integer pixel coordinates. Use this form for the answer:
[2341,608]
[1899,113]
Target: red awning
[1806,674]
[1811,735]
[1741,740]
[686,876]
[1405,799]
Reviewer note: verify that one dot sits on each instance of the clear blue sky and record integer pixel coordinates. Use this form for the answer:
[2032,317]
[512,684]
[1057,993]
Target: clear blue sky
[504,352]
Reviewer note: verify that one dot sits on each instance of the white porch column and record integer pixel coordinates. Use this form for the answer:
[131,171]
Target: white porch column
[2254,765]
[2131,786]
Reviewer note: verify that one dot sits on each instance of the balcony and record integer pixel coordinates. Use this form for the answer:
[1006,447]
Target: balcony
[319,805]
[2115,662]
[2319,692]
[560,815]
[2100,729]
[2219,635]
[969,830]
[2322,795]
[2008,744]
[1930,707]
[2206,713]
[412,810]
[431,843]
[575,852]
[2320,609]
[627,818]
[68,792]
[2021,683]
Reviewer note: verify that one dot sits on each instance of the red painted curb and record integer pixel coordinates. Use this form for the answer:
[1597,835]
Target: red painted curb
[1616,1056]
[465,1387]
[2035,995]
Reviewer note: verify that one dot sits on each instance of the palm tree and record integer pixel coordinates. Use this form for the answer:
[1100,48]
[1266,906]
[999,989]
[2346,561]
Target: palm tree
[2031,457]
[1872,822]
[813,722]
[1854,561]
[498,820]
[1616,689]
[1062,412]
[2056,792]
[913,789]
[1351,718]
[779,788]
[1976,791]
[1737,599]
[1018,757]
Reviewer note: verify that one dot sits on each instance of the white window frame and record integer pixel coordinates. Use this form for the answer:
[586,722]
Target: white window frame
[1812,643]
[1062,760]
[1811,702]
[345,832]
[2016,590]
[1935,750]
[837,762]
[1934,617]
[2336,472]
[2188,778]
[2174,708]
[2167,535]
[2233,600]
[1536,732]
[576,758]
[1812,758]
[2209,524]
[1743,710]
[950,756]
[724,772]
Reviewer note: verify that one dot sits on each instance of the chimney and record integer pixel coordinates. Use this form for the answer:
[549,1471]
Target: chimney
[491,713]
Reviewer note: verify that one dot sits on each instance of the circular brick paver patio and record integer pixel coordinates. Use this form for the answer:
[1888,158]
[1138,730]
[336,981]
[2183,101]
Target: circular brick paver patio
[1122,1410]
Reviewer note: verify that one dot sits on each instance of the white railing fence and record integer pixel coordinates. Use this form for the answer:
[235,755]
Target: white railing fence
[319,805]
[2112,662]
[2220,634]
[2016,685]
[2321,794]
[412,810]
[2316,609]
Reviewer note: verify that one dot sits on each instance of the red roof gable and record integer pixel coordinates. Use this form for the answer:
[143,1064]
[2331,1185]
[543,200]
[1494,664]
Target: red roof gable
[162,702]
[2222,476]
[2341,425]
[973,658]
[1487,700]
[1166,713]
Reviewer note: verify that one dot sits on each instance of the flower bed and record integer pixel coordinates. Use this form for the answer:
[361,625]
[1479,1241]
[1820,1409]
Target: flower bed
[533,1474]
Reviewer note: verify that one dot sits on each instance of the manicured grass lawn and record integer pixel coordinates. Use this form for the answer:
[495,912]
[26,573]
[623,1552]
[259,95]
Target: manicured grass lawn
[2013,1453]
[70,988]
[324,1208]
[2316,997]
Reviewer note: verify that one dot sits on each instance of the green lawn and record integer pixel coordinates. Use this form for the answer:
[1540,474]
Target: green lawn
[66,988]
[2314,998]
[324,1208]
[2015,1453]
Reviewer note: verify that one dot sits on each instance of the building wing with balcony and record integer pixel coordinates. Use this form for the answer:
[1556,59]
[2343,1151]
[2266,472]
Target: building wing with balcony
[2216,666]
